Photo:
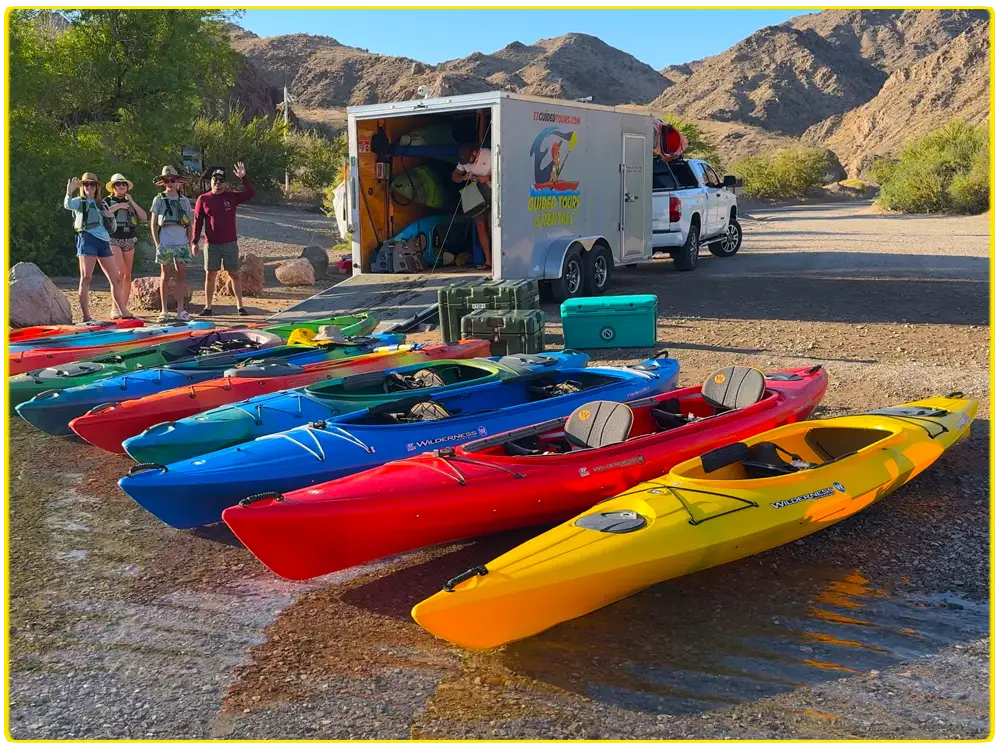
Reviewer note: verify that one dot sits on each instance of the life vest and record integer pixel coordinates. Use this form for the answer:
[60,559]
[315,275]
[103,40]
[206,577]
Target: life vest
[175,211]
[124,216]
[89,217]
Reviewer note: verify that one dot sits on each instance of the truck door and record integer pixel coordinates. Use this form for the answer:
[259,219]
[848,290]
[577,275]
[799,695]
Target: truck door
[635,212]
[713,195]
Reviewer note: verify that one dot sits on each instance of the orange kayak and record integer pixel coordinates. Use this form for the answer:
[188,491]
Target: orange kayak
[109,425]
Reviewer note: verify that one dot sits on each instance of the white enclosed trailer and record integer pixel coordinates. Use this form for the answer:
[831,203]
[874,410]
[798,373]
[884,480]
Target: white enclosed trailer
[571,183]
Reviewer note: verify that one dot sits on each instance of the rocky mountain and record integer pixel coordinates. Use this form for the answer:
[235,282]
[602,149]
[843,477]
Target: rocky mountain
[788,78]
[952,82]
[322,72]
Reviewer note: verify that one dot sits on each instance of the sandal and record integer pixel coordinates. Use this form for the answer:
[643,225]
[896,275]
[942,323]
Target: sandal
[242,311]
[206,311]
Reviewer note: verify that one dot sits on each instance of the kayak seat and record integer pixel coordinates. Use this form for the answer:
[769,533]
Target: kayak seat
[765,459]
[733,388]
[598,424]
[667,415]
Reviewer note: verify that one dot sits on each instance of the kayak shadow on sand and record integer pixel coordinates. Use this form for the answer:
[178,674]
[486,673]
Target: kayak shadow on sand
[724,636]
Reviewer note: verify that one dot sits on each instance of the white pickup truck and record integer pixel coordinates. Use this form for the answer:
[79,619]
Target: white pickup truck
[693,207]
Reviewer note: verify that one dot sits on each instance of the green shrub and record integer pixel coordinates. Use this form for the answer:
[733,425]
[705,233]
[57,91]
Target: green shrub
[317,160]
[947,171]
[788,173]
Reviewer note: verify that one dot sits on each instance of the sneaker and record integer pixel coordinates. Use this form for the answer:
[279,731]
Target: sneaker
[183,315]
[242,311]
[206,311]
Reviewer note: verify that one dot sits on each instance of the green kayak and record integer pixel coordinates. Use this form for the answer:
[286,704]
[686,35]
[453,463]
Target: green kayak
[21,388]
[359,324]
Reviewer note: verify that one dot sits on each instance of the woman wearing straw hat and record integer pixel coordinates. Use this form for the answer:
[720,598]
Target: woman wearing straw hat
[170,222]
[93,224]
[127,216]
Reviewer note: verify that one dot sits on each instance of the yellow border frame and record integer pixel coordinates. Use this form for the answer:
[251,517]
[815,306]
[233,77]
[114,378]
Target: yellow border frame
[4,337]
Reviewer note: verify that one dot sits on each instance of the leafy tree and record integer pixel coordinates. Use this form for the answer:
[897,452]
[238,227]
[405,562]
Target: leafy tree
[116,91]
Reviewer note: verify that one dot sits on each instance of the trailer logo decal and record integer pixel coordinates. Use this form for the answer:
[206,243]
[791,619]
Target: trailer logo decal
[607,333]
[553,200]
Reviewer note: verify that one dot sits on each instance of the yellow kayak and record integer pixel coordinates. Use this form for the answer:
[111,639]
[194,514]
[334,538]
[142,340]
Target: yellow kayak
[728,504]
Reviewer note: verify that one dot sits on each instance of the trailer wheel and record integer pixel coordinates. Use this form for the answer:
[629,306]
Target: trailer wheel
[686,257]
[731,241]
[599,264]
[571,283]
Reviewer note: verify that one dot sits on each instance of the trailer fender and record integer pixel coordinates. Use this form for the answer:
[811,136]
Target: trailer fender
[557,249]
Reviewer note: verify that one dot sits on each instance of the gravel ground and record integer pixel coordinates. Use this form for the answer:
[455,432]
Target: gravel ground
[875,628]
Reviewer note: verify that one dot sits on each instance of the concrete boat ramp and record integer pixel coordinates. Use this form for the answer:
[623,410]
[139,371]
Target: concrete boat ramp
[400,300]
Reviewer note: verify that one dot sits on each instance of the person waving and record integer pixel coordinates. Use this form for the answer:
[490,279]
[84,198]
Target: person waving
[215,212]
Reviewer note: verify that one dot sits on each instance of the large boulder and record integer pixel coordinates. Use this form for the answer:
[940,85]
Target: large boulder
[319,259]
[146,293]
[34,299]
[298,272]
[252,270]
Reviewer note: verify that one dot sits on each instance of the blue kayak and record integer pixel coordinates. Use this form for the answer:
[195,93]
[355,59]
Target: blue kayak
[194,492]
[115,336]
[52,411]
[269,413]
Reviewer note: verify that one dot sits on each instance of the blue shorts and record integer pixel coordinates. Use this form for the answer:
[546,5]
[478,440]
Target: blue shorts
[88,244]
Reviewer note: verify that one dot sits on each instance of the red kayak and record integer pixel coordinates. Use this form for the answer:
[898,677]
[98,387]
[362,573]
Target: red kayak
[23,335]
[536,475]
[109,425]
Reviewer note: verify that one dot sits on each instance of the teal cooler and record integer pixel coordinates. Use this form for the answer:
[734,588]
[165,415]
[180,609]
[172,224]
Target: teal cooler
[609,322]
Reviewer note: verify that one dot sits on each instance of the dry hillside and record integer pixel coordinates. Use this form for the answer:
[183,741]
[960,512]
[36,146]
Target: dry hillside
[324,73]
[856,81]
[950,83]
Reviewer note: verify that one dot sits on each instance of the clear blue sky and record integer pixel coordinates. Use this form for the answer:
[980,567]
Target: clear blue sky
[656,37]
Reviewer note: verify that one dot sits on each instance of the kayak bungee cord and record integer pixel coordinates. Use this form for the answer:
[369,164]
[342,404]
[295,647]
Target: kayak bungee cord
[319,454]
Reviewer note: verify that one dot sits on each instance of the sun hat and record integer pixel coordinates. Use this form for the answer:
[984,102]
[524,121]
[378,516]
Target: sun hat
[90,177]
[331,333]
[118,177]
[168,171]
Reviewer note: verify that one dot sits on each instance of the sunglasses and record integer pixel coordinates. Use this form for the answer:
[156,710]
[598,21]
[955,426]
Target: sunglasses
[121,184]
[218,177]
[89,184]
[169,181]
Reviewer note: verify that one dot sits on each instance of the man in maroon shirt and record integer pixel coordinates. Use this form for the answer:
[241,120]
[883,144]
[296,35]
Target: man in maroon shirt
[215,212]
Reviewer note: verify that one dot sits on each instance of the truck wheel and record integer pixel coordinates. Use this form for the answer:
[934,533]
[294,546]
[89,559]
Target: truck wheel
[731,241]
[571,283]
[598,265]
[686,258]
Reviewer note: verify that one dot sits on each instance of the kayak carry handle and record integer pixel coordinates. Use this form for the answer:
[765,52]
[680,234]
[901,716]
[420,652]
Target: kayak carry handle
[248,501]
[814,369]
[479,570]
[45,394]
[102,407]
[139,468]
[955,394]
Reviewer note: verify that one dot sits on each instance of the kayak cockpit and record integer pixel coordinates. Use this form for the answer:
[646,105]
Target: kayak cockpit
[788,453]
